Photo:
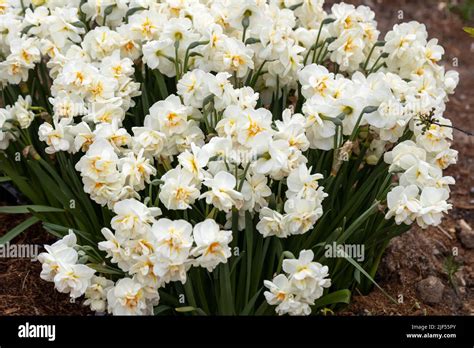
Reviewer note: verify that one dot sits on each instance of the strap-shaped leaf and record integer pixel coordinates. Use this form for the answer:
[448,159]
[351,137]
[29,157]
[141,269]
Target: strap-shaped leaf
[160,309]
[18,229]
[340,296]
[189,309]
[25,209]
[251,304]
[469,30]
[105,269]
[359,267]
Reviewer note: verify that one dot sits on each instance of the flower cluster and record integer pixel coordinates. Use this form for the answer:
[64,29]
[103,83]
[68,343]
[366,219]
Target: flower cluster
[21,113]
[303,283]
[156,252]
[227,110]
[61,265]
[423,190]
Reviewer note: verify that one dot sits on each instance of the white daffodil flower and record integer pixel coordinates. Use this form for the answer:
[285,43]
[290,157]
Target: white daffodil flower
[179,190]
[433,205]
[222,193]
[96,294]
[127,298]
[173,238]
[212,244]
[404,204]
[61,252]
[73,279]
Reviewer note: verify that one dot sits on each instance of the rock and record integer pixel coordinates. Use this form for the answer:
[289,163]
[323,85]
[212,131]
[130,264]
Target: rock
[459,279]
[466,234]
[430,290]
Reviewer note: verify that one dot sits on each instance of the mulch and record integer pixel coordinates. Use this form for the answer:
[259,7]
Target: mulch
[22,291]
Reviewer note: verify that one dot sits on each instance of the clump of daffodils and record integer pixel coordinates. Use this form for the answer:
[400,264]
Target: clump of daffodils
[188,121]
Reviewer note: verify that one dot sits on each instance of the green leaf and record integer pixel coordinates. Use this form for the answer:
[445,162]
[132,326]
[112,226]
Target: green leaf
[52,231]
[340,296]
[188,289]
[161,84]
[226,290]
[90,216]
[254,79]
[359,267]
[167,298]
[19,181]
[357,275]
[201,293]
[235,262]
[101,268]
[160,309]
[5,179]
[25,209]
[63,230]
[251,304]
[358,222]
[262,308]
[18,229]
[63,193]
[249,233]
[469,30]
[188,309]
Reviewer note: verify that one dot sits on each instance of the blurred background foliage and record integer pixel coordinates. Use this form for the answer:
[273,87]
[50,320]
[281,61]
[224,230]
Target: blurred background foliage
[464,8]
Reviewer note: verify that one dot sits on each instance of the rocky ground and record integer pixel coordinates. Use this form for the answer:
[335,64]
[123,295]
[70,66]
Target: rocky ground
[431,270]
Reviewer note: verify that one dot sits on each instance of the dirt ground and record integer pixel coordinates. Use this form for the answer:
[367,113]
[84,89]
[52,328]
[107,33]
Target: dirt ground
[409,258]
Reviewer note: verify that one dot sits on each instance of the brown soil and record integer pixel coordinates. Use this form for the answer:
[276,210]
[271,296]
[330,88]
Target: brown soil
[409,258]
